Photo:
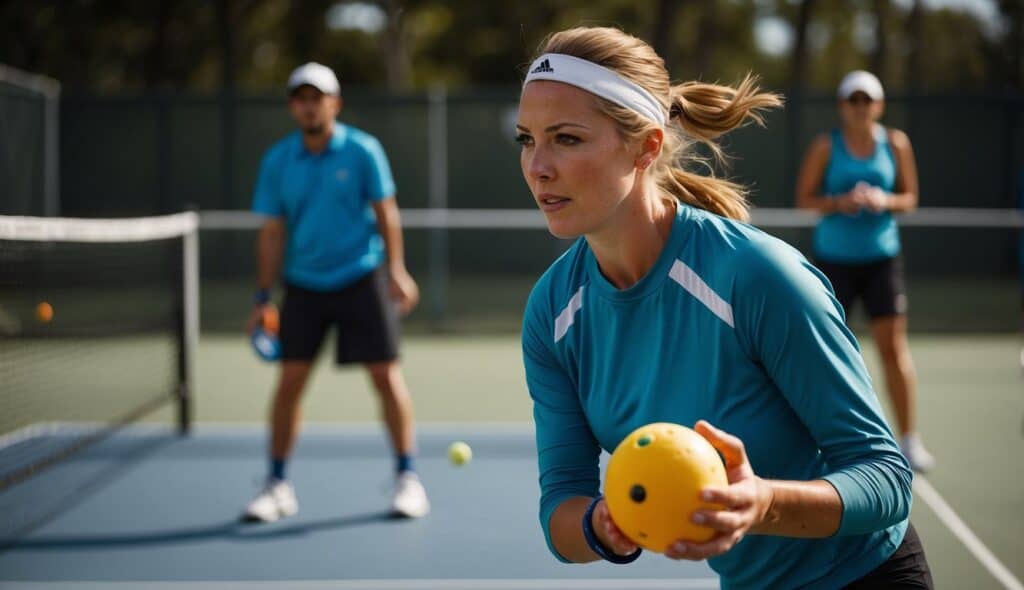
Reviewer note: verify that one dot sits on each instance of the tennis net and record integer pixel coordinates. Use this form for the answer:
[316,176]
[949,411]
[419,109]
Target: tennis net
[98,324]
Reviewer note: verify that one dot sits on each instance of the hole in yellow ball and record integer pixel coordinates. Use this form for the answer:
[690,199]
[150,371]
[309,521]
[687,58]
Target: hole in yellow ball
[637,493]
[644,440]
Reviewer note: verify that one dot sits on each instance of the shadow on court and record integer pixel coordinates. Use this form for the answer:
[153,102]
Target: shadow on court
[169,515]
[56,491]
[233,529]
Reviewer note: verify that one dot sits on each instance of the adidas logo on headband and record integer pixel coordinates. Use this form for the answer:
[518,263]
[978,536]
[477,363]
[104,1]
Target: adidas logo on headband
[543,68]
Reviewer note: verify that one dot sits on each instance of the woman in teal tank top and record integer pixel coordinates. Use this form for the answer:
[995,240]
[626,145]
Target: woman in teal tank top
[859,176]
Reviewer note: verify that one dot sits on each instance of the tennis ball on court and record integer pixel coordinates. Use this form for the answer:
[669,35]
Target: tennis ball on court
[44,312]
[459,453]
[654,481]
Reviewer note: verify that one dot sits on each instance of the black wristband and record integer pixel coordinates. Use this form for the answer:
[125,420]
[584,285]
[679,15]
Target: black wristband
[595,544]
[262,297]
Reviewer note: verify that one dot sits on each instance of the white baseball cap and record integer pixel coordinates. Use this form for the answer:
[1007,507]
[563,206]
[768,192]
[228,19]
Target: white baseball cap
[316,75]
[860,81]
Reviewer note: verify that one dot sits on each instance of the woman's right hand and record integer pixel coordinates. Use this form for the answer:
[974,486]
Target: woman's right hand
[608,533]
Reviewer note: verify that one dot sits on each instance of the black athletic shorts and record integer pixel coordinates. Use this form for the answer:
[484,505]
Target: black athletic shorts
[879,284]
[365,317]
[907,568]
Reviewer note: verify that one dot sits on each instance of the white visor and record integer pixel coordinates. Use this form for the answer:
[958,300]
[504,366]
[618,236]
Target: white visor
[860,81]
[597,80]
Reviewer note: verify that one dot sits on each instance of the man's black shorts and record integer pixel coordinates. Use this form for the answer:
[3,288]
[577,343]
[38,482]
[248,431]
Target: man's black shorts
[365,317]
[879,284]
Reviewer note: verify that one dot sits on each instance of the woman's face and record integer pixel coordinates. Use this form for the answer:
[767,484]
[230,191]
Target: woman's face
[576,163]
[860,110]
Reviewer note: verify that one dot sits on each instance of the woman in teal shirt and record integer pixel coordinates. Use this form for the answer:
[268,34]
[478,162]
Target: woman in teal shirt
[858,176]
[669,308]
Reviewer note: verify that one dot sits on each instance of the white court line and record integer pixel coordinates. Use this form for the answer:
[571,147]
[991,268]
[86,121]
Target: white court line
[26,432]
[41,429]
[960,529]
[428,584]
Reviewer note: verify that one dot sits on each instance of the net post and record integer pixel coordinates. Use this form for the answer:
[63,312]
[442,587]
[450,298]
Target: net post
[50,89]
[51,158]
[437,152]
[189,325]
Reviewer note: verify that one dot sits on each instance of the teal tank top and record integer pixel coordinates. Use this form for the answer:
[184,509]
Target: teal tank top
[864,236]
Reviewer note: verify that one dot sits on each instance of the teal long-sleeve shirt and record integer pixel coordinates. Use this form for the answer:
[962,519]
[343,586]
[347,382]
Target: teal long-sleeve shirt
[735,327]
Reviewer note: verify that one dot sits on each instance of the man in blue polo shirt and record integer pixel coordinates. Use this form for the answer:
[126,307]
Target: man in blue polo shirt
[328,199]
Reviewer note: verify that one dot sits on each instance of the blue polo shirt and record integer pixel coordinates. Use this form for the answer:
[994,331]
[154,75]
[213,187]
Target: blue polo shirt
[733,326]
[325,200]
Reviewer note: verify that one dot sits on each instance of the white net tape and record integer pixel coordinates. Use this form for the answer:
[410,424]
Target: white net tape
[62,229]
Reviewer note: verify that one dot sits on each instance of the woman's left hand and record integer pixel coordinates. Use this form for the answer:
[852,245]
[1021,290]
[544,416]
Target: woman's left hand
[876,199]
[746,500]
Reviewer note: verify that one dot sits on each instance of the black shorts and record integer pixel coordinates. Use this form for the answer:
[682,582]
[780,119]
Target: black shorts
[363,313]
[905,569]
[879,283]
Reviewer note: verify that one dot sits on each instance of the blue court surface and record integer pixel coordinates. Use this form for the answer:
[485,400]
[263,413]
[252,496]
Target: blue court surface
[151,510]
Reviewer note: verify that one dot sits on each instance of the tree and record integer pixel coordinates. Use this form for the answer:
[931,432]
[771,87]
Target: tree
[116,46]
[707,38]
[395,47]
[1013,14]
[662,37]
[880,56]
[797,83]
[915,33]
[798,67]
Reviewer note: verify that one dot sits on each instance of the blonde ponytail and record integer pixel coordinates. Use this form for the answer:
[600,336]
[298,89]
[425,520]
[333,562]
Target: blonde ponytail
[705,112]
[716,195]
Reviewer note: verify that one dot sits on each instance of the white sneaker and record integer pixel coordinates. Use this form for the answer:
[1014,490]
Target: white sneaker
[275,501]
[919,458]
[410,499]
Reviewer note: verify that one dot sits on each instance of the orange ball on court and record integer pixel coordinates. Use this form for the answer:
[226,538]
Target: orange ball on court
[44,312]
[654,481]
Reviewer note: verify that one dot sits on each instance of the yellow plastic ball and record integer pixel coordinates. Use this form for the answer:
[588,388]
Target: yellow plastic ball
[44,312]
[654,481]
[459,453]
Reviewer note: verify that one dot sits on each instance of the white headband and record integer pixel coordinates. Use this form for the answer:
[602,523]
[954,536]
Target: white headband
[597,80]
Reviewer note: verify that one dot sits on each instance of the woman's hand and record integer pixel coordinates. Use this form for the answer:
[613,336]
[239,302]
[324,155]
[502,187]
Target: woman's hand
[746,500]
[850,203]
[608,533]
[875,199]
[870,197]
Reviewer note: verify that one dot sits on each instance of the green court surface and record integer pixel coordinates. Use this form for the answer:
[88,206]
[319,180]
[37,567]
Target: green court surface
[971,415]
